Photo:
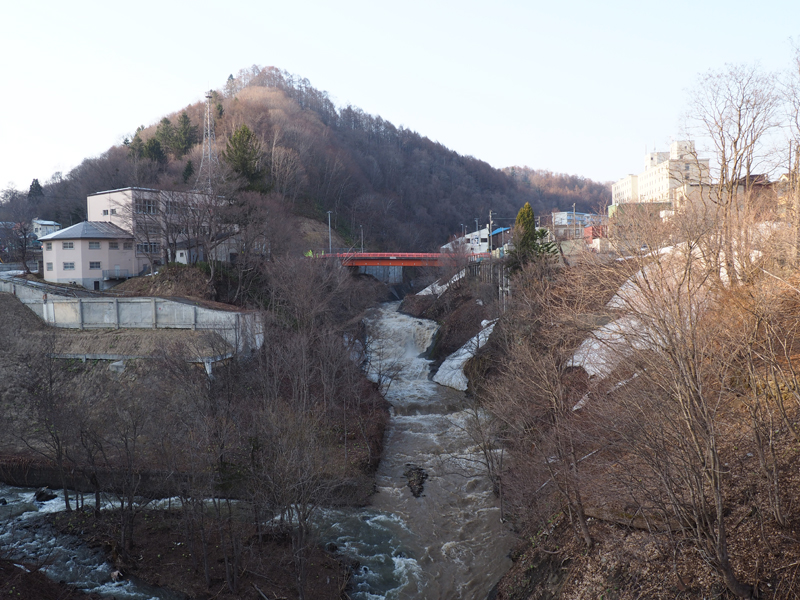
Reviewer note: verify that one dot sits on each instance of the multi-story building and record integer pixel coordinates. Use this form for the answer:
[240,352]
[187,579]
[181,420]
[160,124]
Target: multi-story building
[569,225]
[664,177]
[159,220]
[95,255]
[475,242]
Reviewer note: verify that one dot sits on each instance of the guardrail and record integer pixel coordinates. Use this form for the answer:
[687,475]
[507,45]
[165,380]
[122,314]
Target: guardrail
[116,274]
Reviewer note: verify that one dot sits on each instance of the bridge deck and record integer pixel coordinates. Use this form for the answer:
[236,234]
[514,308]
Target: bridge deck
[400,259]
[392,259]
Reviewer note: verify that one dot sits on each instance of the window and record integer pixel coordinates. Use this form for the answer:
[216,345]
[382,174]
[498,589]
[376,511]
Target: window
[49,266]
[105,212]
[94,245]
[48,246]
[127,245]
[148,248]
[67,246]
[145,206]
[69,266]
[113,245]
[113,211]
[94,264]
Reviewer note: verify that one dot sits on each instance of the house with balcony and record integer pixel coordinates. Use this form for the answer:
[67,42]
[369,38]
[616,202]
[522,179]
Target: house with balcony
[94,254]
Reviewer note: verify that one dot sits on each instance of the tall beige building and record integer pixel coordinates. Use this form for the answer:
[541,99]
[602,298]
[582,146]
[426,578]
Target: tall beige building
[664,175]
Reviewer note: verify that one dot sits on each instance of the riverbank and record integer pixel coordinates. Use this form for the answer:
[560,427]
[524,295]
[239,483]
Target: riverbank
[161,557]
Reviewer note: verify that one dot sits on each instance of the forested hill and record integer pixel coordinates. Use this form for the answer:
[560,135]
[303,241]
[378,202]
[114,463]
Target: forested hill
[407,192]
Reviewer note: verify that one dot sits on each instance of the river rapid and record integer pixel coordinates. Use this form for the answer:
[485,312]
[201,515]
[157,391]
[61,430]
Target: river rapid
[449,542]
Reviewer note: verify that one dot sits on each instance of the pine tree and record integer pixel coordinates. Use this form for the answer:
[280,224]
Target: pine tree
[136,145]
[152,149]
[243,154]
[530,242]
[36,192]
[188,171]
[165,134]
[185,135]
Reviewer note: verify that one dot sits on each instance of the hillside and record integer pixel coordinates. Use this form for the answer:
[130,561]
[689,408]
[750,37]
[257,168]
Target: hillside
[405,191]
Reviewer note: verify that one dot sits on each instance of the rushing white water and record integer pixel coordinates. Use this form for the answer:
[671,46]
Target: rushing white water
[449,542]
[26,538]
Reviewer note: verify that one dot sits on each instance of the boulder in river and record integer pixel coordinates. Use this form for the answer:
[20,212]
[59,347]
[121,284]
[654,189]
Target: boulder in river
[416,479]
[43,495]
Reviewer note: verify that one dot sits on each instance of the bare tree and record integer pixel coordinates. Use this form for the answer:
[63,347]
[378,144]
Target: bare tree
[735,109]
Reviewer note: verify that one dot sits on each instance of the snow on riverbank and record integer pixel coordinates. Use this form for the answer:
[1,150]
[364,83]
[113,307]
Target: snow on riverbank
[437,289]
[451,373]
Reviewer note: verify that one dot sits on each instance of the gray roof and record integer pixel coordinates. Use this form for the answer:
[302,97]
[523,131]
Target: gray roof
[91,230]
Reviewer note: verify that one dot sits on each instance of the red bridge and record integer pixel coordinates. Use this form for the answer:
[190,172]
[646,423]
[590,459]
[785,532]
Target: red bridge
[392,259]
[404,259]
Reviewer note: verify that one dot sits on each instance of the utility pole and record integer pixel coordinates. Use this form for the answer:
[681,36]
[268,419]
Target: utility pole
[574,223]
[490,231]
[330,244]
[362,238]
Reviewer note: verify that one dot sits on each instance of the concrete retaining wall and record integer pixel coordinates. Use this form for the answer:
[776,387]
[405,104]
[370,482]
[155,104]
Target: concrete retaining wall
[242,330]
[389,275]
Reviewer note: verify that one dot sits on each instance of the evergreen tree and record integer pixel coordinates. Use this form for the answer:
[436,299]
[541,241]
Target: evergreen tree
[136,145]
[152,149]
[185,136]
[165,134]
[188,171]
[36,192]
[530,242]
[243,154]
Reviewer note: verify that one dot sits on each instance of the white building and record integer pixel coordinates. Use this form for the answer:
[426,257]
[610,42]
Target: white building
[40,227]
[475,242]
[664,174]
[159,220]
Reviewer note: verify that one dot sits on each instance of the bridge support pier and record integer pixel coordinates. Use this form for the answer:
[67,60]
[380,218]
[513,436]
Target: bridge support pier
[386,274]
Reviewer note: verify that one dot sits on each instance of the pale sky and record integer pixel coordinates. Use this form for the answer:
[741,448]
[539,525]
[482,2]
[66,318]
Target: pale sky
[579,87]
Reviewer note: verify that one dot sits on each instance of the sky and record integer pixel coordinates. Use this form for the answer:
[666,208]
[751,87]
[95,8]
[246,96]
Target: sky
[577,87]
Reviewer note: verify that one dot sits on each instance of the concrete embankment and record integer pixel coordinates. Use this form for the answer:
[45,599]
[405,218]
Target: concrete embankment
[242,330]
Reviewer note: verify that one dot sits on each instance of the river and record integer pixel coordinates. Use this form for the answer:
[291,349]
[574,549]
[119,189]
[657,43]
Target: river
[448,543]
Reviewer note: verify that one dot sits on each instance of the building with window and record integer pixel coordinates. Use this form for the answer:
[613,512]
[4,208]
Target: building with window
[475,242]
[94,254]
[665,179]
[569,225]
[40,227]
[159,220]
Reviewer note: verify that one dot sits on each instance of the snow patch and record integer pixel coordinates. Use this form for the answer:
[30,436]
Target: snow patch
[437,289]
[451,373]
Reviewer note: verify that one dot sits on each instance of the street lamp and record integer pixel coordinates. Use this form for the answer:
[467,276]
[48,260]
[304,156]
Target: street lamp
[330,244]
[362,238]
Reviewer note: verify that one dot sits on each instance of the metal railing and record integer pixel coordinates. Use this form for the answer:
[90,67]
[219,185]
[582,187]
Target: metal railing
[116,274]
